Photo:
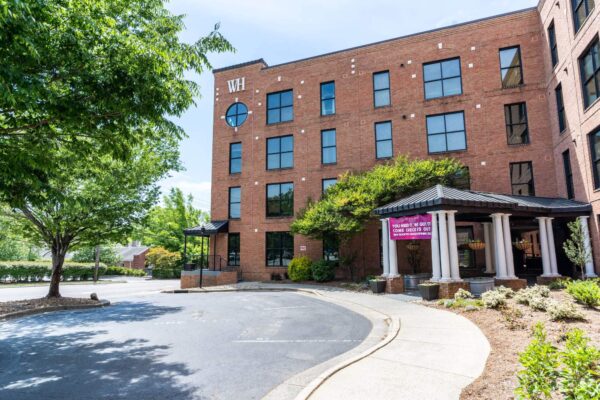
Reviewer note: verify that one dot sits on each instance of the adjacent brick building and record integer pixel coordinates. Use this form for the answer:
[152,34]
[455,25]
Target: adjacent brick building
[484,92]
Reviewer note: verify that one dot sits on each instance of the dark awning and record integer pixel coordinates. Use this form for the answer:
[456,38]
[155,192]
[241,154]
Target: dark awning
[441,197]
[208,228]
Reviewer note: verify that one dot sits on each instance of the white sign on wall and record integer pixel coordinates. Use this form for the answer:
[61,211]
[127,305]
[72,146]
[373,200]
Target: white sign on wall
[237,85]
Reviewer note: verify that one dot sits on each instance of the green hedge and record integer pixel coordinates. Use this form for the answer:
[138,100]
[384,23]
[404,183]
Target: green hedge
[34,271]
[166,273]
[125,271]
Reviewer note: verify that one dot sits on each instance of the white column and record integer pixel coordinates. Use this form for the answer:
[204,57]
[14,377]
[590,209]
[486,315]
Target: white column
[436,268]
[551,247]
[544,247]
[499,247]
[444,252]
[487,238]
[589,266]
[385,244]
[453,244]
[510,259]
[393,258]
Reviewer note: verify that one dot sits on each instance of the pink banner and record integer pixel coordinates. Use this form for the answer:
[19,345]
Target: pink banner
[411,228]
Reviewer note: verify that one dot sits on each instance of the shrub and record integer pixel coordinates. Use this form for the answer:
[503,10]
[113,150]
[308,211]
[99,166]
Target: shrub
[512,318]
[559,283]
[507,292]
[564,311]
[585,292]
[300,269]
[493,299]
[539,303]
[125,271]
[166,273]
[34,271]
[580,375]
[161,258]
[462,294]
[535,294]
[323,271]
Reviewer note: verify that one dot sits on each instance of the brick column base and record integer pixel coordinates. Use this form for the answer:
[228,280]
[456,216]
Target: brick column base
[514,284]
[394,285]
[447,289]
[546,280]
[190,279]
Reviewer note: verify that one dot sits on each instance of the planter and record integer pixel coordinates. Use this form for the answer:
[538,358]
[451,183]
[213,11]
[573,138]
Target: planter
[477,246]
[377,286]
[429,292]
[411,282]
[523,245]
[480,285]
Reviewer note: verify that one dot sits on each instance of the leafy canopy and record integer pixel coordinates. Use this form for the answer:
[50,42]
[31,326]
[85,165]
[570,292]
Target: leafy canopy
[346,206]
[575,246]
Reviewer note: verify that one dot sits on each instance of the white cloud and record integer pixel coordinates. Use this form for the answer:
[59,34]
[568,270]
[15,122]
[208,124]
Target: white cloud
[199,189]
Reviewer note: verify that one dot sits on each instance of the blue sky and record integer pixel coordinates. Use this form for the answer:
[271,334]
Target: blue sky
[286,30]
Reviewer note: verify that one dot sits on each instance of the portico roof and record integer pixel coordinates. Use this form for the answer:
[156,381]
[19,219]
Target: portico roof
[441,197]
[208,228]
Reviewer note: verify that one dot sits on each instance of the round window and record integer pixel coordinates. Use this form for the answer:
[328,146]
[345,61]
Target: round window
[236,114]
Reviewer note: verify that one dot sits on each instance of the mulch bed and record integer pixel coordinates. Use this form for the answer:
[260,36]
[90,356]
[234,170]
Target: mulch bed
[10,307]
[508,339]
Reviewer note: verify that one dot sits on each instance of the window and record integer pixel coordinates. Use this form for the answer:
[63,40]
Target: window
[553,45]
[381,88]
[331,249]
[280,249]
[466,256]
[521,179]
[236,114]
[328,147]
[581,9]
[235,200]
[595,147]
[280,200]
[510,67]
[590,73]
[560,109]
[233,249]
[328,98]
[280,152]
[383,140]
[327,183]
[446,132]
[516,123]
[280,107]
[568,174]
[442,78]
[235,158]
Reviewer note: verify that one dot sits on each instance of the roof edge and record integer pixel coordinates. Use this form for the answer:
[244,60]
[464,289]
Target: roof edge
[241,65]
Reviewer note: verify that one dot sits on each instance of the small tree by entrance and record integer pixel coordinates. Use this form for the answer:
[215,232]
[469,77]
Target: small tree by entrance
[575,247]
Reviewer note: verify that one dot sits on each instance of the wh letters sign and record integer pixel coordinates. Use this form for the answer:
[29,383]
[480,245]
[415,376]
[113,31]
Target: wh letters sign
[237,85]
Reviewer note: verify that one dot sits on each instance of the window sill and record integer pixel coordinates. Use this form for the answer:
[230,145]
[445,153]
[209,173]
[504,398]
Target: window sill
[388,106]
[591,105]
[518,144]
[280,123]
[279,169]
[235,174]
[329,164]
[444,97]
[328,115]
[234,219]
[276,266]
[446,152]
[273,217]
[519,86]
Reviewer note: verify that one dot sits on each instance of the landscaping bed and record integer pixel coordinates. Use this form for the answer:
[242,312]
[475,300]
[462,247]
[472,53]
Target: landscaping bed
[34,306]
[509,331]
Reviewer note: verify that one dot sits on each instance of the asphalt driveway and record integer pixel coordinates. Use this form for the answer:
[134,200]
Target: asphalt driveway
[165,346]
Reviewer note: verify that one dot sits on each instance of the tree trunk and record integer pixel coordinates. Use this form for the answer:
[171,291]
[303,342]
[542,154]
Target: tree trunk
[58,259]
[97,266]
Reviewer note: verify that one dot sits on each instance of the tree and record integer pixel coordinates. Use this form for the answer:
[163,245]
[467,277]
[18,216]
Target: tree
[108,255]
[575,247]
[98,76]
[165,223]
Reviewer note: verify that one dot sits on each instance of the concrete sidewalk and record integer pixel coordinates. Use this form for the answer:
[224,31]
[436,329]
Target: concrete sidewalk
[432,356]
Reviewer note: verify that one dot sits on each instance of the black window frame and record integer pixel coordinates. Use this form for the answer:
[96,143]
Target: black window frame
[279,152]
[568,170]
[391,140]
[236,115]
[280,107]
[281,249]
[575,5]
[230,203]
[331,249]
[510,124]
[388,89]
[531,184]
[522,82]
[553,44]
[231,158]
[560,108]
[323,188]
[280,200]
[326,99]
[595,161]
[328,147]
[230,249]
[445,133]
[442,78]
[595,74]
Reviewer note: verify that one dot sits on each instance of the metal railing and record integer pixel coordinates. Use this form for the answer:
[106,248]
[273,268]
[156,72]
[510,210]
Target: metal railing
[205,261]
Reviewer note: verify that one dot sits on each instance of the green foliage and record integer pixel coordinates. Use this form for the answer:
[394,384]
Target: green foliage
[540,360]
[580,375]
[575,247]
[161,258]
[564,311]
[35,271]
[585,292]
[559,283]
[300,269]
[462,294]
[345,208]
[121,271]
[166,222]
[494,299]
[536,297]
[13,245]
[323,271]
[108,255]
[166,273]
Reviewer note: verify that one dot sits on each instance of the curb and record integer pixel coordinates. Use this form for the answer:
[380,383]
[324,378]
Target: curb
[311,388]
[26,313]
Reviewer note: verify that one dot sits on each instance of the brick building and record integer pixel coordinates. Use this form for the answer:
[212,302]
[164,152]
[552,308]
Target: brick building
[513,97]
